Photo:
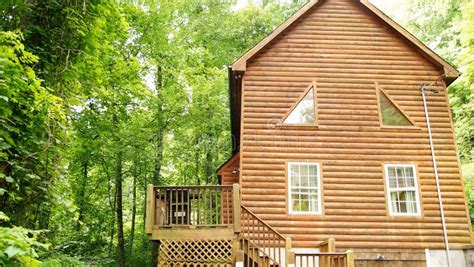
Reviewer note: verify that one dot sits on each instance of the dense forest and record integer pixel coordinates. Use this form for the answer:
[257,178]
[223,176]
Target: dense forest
[99,98]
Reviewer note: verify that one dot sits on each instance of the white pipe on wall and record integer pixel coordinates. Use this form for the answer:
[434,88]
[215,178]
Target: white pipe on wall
[435,167]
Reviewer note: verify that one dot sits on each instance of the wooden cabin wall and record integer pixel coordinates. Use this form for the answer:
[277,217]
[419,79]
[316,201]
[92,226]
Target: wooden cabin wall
[345,50]
[228,178]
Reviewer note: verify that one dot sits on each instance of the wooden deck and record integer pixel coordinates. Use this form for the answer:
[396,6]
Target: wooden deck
[207,225]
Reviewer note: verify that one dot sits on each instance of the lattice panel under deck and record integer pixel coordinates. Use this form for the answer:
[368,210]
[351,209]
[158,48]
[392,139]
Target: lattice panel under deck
[195,252]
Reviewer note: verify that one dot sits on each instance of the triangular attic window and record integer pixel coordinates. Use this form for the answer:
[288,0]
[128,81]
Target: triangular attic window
[304,111]
[390,113]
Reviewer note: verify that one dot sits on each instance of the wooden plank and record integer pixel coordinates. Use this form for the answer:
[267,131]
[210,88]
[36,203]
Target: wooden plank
[182,233]
[291,259]
[150,209]
[239,258]
[289,253]
[350,259]
[236,208]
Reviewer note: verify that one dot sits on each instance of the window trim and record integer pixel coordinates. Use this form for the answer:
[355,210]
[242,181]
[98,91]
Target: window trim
[289,187]
[380,90]
[315,103]
[389,191]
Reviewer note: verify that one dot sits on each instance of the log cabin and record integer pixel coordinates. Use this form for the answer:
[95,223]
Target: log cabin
[343,154]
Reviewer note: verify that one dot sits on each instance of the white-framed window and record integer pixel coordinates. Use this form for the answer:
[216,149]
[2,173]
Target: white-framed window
[402,189]
[304,188]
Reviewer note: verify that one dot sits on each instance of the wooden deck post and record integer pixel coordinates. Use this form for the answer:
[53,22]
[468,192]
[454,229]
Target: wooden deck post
[239,254]
[150,209]
[236,207]
[331,245]
[291,259]
[327,246]
[289,254]
[350,259]
[239,258]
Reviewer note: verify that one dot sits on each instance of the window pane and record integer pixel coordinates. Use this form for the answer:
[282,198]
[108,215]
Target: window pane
[304,175]
[304,112]
[313,200]
[313,175]
[395,206]
[391,115]
[304,169]
[409,172]
[400,172]
[313,170]
[296,203]
[412,207]
[391,177]
[407,195]
[295,174]
[410,177]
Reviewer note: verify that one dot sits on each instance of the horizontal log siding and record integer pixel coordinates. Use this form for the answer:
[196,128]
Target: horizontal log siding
[227,178]
[346,50]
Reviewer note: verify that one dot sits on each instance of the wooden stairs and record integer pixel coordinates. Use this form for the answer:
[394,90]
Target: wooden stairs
[254,256]
[208,226]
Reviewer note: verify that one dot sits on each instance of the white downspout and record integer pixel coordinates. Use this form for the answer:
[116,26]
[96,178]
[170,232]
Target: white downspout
[435,167]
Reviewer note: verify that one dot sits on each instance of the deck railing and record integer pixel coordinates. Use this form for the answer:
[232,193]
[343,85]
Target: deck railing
[324,259]
[174,206]
[261,239]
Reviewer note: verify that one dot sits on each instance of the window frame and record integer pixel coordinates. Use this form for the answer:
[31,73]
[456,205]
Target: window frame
[289,188]
[389,190]
[379,90]
[315,103]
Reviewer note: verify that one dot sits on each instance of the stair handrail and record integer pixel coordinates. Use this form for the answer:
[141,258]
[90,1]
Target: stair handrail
[262,222]
[265,237]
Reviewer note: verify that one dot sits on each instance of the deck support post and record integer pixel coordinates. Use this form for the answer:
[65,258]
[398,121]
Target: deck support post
[239,258]
[150,209]
[328,246]
[236,207]
[289,254]
[291,259]
[237,223]
[350,259]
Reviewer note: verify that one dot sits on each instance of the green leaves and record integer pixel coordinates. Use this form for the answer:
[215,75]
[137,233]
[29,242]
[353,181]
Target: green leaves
[27,113]
[447,28]
[19,245]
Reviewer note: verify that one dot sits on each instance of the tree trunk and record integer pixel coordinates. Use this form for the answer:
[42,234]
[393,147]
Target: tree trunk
[113,204]
[82,195]
[196,162]
[118,185]
[159,155]
[156,179]
[119,205]
[209,172]
[134,205]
